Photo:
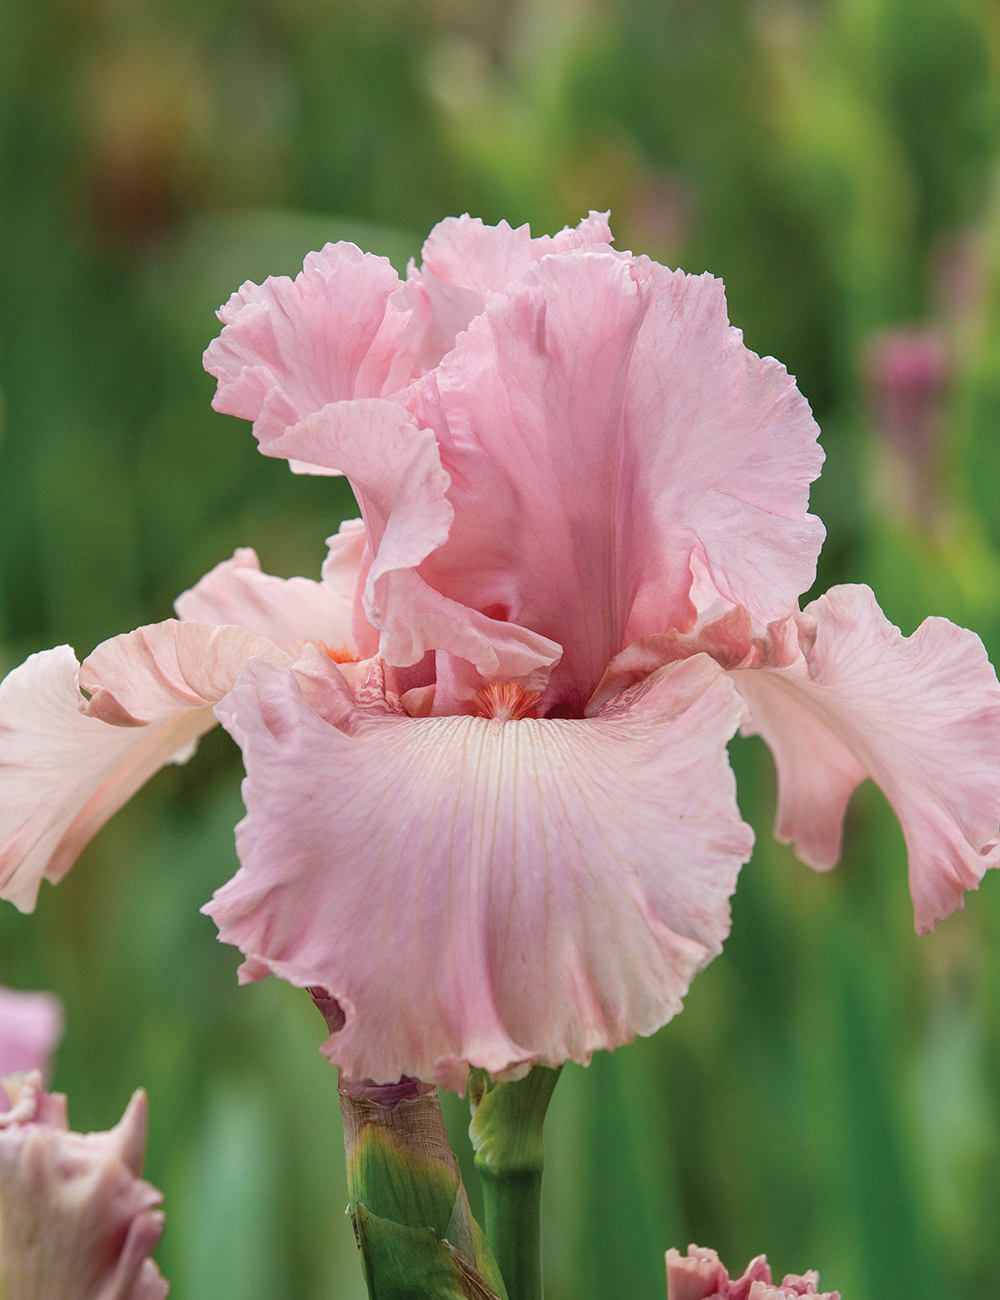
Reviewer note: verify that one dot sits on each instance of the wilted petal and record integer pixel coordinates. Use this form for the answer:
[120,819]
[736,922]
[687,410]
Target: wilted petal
[76,1220]
[464,260]
[395,470]
[287,611]
[291,346]
[600,369]
[920,715]
[67,764]
[471,891]
[31,1025]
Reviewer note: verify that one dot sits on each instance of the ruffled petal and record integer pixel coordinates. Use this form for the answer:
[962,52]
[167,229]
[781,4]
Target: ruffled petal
[698,1275]
[67,764]
[730,639]
[464,261]
[291,346]
[481,892]
[395,470]
[157,671]
[31,1025]
[288,611]
[733,449]
[919,715]
[598,368]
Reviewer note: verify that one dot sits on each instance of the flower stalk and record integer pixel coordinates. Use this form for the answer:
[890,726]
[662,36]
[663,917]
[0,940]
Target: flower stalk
[411,1216]
[506,1132]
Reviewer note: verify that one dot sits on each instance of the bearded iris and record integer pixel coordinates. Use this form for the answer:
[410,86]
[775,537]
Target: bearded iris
[489,807]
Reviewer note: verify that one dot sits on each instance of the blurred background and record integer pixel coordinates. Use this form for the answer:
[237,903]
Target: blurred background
[831,1094]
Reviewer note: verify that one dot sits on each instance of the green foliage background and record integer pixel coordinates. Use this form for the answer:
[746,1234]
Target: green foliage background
[831,1094]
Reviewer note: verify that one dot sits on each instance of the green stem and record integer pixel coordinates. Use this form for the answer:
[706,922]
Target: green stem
[506,1132]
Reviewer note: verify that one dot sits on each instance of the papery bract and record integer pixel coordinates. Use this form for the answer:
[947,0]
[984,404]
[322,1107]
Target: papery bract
[77,1222]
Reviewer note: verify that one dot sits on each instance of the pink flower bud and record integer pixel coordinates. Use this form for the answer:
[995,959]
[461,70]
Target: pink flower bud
[700,1275]
[907,371]
[77,1222]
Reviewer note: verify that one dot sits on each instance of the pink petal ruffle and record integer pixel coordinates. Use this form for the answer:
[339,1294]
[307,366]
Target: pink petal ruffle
[291,346]
[288,611]
[478,892]
[919,715]
[464,261]
[395,470]
[69,763]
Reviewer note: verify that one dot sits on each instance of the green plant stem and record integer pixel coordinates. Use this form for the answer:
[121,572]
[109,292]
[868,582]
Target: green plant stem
[506,1132]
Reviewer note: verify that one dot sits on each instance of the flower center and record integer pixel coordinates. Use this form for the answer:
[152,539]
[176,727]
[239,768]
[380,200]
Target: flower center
[339,654]
[507,702]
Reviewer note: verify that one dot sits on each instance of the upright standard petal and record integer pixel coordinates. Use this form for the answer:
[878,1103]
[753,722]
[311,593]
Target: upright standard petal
[291,346]
[735,448]
[31,1025]
[77,1222]
[288,611]
[472,891]
[464,261]
[395,470]
[601,369]
[920,715]
[67,764]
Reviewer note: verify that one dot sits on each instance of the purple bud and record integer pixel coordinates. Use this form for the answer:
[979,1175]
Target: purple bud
[907,371]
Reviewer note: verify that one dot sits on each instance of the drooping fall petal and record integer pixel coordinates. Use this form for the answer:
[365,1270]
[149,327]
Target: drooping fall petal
[920,715]
[480,892]
[67,764]
[31,1025]
[599,369]
[288,611]
[77,1222]
[291,346]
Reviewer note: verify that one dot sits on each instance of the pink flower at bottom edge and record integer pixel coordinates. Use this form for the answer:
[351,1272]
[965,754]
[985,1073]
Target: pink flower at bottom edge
[700,1275]
[77,1222]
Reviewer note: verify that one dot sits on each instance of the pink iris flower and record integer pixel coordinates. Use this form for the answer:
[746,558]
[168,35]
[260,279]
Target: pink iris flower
[490,815]
[700,1275]
[79,1223]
